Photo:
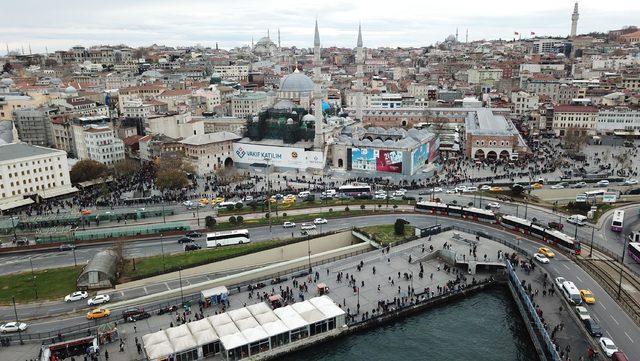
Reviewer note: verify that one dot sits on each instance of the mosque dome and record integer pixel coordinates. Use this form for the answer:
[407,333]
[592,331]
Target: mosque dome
[308,118]
[151,74]
[264,41]
[70,90]
[296,82]
[6,82]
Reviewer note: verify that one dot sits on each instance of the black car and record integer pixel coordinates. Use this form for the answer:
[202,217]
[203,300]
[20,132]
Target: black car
[193,234]
[556,225]
[134,314]
[185,240]
[167,309]
[66,247]
[593,328]
[192,247]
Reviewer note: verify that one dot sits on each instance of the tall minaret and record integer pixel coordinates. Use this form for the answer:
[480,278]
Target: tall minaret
[318,141]
[359,76]
[574,21]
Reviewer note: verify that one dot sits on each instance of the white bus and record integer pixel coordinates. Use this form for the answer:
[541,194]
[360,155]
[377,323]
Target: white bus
[571,292]
[617,223]
[355,189]
[227,238]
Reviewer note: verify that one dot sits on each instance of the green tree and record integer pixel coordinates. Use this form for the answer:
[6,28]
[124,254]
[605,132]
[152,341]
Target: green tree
[399,226]
[239,219]
[233,220]
[126,167]
[239,206]
[172,172]
[231,207]
[517,190]
[210,222]
[86,170]
[346,209]
[362,207]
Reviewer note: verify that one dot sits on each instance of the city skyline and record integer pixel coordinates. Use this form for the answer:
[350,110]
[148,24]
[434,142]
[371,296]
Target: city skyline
[409,24]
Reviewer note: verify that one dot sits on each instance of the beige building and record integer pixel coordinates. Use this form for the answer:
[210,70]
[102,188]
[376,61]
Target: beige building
[575,117]
[523,102]
[248,103]
[176,126]
[210,152]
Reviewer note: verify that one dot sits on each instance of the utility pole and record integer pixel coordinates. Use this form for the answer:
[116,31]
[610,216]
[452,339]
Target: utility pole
[591,248]
[268,193]
[15,312]
[624,248]
[164,267]
[309,252]
[181,293]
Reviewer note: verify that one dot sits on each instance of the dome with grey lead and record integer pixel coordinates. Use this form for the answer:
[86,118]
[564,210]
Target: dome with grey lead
[296,82]
[70,90]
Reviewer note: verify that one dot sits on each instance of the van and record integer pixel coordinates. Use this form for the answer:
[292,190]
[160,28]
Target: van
[226,204]
[619,356]
[577,219]
[304,194]
[571,292]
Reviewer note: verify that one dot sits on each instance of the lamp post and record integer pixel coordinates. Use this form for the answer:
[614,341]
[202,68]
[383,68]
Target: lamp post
[268,192]
[164,268]
[198,212]
[591,247]
[33,278]
[624,248]
[181,293]
[309,252]
[73,249]
[13,226]
[164,218]
[15,312]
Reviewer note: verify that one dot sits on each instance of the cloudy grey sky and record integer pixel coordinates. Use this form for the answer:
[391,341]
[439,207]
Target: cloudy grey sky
[60,24]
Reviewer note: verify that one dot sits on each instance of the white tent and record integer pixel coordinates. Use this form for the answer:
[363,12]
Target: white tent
[275,328]
[178,331]
[255,334]
[220,319]
[155,338]
[239,314]
[259,308]
[232,341]
[183,343]
[226,329]
[246,323]
[328,308]
[266,317]
[290,318]
[159,351]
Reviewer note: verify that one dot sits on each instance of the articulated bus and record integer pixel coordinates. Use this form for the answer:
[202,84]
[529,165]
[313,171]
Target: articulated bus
[617,224]
[549,235]
[226,238]
[634,251]
[355,189]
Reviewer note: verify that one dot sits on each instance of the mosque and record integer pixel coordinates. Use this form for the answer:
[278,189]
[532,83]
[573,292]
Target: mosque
[336,143]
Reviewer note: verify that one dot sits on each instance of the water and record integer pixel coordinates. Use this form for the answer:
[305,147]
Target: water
[483,327]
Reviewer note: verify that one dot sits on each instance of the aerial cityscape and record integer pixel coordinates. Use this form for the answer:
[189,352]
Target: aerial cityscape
[208,180]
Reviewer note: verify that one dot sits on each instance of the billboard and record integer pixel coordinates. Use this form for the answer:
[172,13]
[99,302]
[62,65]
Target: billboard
[389,161]
[419,157]
[434,148]
[277,156]
[363,159]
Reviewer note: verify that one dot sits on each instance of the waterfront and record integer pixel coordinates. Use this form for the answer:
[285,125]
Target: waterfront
[485,326]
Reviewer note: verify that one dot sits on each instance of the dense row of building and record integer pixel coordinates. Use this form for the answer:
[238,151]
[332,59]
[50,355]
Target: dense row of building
[314,109]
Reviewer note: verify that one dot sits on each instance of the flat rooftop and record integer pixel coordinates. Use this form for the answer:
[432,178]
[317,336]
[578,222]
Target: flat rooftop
[484,122]
[14,151]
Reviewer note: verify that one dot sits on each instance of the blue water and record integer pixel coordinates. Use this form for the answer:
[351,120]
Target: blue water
[483,327]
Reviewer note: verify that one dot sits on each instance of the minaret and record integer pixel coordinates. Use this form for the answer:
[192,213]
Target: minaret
[574,21]
[278,38]
[359,75]
[456,35]
[466,37]
[318,141]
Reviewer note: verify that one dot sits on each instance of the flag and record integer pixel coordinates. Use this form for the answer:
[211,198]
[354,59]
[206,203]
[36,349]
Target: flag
[533,33]
[516,33]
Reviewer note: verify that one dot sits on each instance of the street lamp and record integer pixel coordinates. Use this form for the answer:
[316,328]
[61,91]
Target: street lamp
[591,247]
[624,249]
[180,278]
[309,252]
[268,192]
[15,312]
[33,278]
[162,250]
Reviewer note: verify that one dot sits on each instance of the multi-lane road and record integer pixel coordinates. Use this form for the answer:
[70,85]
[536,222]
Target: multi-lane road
[606,311]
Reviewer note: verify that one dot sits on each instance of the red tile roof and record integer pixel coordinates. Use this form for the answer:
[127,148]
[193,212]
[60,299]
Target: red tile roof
[574,109]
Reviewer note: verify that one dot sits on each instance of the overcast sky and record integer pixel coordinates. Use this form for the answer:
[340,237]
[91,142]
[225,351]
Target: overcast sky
[60,24]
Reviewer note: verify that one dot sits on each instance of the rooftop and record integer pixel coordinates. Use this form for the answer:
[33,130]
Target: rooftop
[14,151]
[209,138]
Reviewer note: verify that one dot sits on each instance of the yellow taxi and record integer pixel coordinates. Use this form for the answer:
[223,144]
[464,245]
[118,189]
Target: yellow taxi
[588,297]
[537,186]
[495,189]
[546,252]
[217,200]
[203,201]
[272,200]
[85,212]
[98,313]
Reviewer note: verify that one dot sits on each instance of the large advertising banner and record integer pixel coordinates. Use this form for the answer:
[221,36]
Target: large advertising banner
[277,156]
[434,149]
[389,161]
[419,157]
[363,159]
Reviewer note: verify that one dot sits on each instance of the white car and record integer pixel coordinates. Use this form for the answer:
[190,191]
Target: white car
[13,327]
[247,199]
[495,205]
[630,182]
[288,224]
[451,191]
[603,183]
[320,221]
[557,186]
[98,300]
[577,219]
[304,194]
[485,187]
[380,196]
[437,190]
[540,258]
[461,188]
[607,346]
[559,281]
[307,226]
[582,313]
[76,296]
[470,189]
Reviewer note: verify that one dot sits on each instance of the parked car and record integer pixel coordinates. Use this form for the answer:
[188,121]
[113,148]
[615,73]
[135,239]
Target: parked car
[194,234]
[13,327]
[592,327]
[167,309]
[603,183]
[320,221]
[192,247]
[556,225]
[185,240]
[288,224]
[607,346]
[134,314]
[98,300]
[577,219]
[579,185]
[494,205]
[76,296]
[630,182]
[98,313]
[485,187]
[557,186]
[540,258]
[582,312]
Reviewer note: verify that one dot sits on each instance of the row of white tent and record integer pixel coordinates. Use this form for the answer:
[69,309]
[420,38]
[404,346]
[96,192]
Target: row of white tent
[246,331]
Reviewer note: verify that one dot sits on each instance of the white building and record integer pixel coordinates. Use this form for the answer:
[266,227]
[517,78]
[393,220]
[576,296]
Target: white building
[523,102]
[620,118]
[576,118]
[484,76]
[234,72]
[136,108]
[386,100]
[97,142]
[27,170]
[177,126]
